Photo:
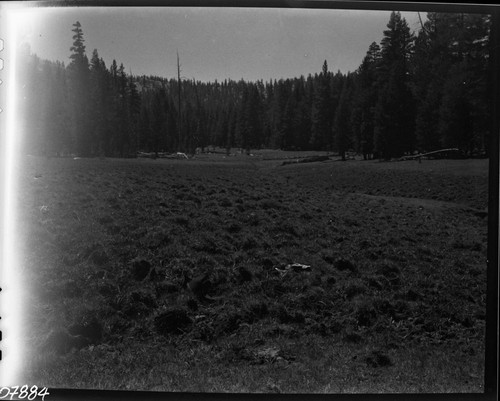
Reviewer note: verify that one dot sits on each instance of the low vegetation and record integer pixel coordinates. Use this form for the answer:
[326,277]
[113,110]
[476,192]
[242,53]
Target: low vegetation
[393,299]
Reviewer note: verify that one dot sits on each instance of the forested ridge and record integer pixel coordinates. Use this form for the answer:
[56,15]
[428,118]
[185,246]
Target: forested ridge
[412,92]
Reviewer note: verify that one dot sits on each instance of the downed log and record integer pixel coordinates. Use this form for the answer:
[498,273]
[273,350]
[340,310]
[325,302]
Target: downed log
[310,159]
[435,152]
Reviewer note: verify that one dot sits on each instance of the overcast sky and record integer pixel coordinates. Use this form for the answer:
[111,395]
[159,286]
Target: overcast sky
[213,43]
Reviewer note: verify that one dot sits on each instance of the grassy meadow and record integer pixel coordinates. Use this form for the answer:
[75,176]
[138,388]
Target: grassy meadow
[393,300]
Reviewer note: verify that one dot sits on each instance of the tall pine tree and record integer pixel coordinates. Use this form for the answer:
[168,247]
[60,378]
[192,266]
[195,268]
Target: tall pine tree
[394,112]
[321,112]
[78,71]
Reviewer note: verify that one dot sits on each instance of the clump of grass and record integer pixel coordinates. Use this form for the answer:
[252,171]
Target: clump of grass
[107,288]
[181,220]
[355,288]
[90,328]
[365,244]
[352,337]
[281,330]
[255,310]
[378,359]
[383,306]
[234,228]
[330,280]
[286,316]
[229,320]
[166,287]
[391,272]
[249,242]
[244,275]
[365,313]
[345,264]
[210,243]
[225,202]
[66,288]
[140,268]
[270,204]
[137,303]
[376,282]
[172,321]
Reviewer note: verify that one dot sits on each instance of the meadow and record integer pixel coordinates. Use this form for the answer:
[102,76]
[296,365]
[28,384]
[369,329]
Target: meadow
[387,294]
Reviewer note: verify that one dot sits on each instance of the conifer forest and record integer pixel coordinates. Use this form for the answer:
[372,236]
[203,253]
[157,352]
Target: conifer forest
[419,91]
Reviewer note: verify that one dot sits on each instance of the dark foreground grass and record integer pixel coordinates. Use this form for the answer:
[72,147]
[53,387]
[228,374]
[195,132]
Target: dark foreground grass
[319,365]
[393,302]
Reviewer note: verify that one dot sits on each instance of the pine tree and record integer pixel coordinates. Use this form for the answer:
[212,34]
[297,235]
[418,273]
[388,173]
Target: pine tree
[449,43]
[133,108]
[249,128]
[99,104]
[456,126]
[394,111]
[79,93]
[61,140]
[321,112]
[364,101]
[342,123]
[301,115]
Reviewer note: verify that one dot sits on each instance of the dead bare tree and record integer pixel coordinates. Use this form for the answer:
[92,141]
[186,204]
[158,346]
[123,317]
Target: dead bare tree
[179,121]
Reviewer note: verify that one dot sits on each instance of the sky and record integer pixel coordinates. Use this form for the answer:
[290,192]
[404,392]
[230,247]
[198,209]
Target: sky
[213,43]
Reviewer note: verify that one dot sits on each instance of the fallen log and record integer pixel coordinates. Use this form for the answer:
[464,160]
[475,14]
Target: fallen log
[434,152]
[310,159]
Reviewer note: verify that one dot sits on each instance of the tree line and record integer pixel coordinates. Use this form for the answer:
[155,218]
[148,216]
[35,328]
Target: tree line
[412,92]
